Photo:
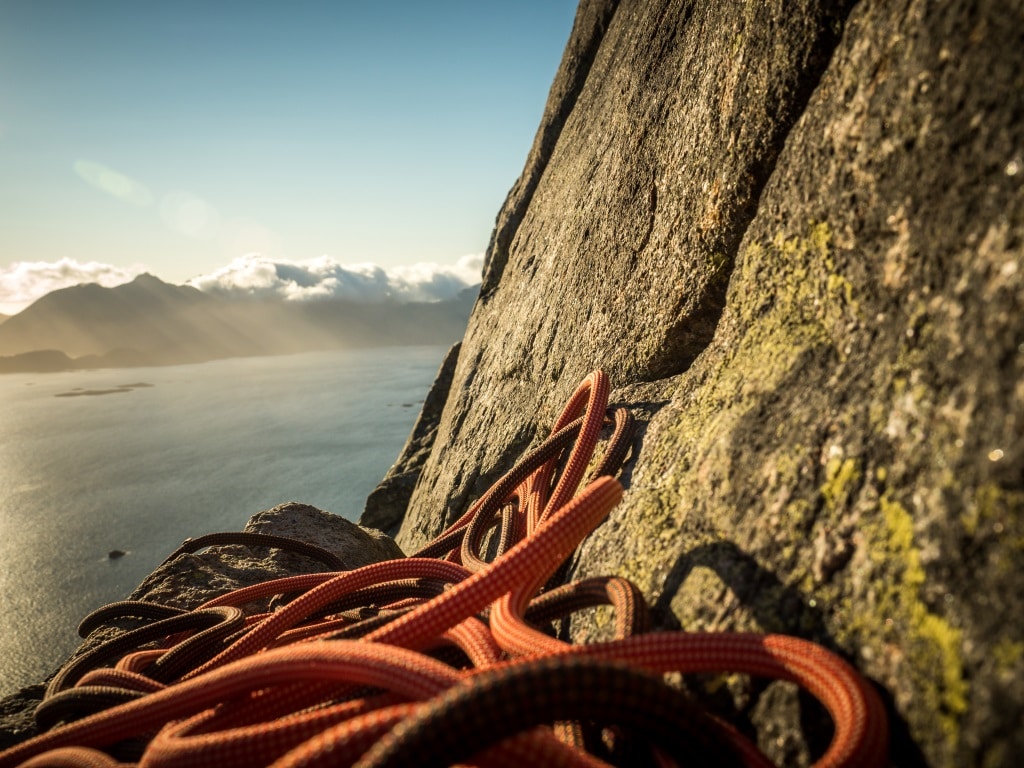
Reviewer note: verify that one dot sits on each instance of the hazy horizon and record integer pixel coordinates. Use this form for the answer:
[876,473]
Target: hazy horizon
[254,276]
[149,322]
[358,143]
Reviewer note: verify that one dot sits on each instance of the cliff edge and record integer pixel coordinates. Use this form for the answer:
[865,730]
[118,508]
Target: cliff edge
[792,234]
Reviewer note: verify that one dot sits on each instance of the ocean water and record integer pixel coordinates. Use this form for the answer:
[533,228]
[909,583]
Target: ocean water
[141,459]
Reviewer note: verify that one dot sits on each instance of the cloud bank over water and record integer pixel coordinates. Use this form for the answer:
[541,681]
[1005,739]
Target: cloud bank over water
[255,276]
[324,278]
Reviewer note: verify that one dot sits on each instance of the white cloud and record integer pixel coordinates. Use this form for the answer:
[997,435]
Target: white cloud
[323,278]
[23,282]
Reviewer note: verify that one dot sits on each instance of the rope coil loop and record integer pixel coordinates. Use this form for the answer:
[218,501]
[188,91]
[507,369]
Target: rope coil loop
[444,656]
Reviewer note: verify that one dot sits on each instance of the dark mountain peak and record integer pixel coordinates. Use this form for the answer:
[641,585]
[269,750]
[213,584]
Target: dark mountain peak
[149,282]
[179,323]
[149,287]
[144,287]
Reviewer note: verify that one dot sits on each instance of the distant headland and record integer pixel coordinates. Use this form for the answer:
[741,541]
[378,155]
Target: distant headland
[148,322]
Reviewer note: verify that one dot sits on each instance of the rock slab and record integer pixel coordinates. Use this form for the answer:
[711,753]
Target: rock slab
[792,233]
[189,580]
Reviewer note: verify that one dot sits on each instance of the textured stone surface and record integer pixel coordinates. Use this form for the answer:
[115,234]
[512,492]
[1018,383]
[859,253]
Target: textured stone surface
[623,254]
[191,579]
[792,234]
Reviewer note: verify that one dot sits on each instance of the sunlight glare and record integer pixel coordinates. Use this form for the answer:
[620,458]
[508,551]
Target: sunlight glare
[190,215]
[113,183]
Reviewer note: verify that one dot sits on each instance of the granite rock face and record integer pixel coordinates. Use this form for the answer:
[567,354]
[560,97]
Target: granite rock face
[792,233]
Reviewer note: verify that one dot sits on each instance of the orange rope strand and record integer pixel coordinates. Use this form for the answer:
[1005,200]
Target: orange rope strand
[437,657]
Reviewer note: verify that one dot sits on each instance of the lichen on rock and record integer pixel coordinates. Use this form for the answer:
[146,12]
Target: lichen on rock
[793,236]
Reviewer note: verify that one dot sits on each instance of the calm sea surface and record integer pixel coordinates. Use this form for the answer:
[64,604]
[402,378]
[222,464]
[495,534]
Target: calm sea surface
[168,453]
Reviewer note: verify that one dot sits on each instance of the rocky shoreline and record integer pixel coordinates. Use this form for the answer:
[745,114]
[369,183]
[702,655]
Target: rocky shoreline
[191,579]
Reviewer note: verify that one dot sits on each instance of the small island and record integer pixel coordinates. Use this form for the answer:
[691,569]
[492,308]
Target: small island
[78,391]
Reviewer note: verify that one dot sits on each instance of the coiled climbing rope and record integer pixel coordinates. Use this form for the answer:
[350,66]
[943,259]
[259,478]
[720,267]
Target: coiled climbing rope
[443,657]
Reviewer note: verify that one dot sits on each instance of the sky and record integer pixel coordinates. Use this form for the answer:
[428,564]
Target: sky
[258,146]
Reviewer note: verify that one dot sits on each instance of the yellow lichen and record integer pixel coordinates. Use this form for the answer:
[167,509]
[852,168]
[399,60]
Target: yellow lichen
[1007,653]
[841,477]
[992,505]
[931,646]
[948,641]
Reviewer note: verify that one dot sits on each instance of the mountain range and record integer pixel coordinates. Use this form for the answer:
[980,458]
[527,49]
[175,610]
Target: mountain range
[150,322]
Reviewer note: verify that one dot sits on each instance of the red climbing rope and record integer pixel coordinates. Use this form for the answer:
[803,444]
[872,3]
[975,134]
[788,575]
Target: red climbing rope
[443,657]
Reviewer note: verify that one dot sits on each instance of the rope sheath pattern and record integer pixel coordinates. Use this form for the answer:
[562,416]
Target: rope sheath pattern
[438,658]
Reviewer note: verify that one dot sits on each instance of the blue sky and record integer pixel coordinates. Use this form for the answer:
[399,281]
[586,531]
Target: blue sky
[178,137]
